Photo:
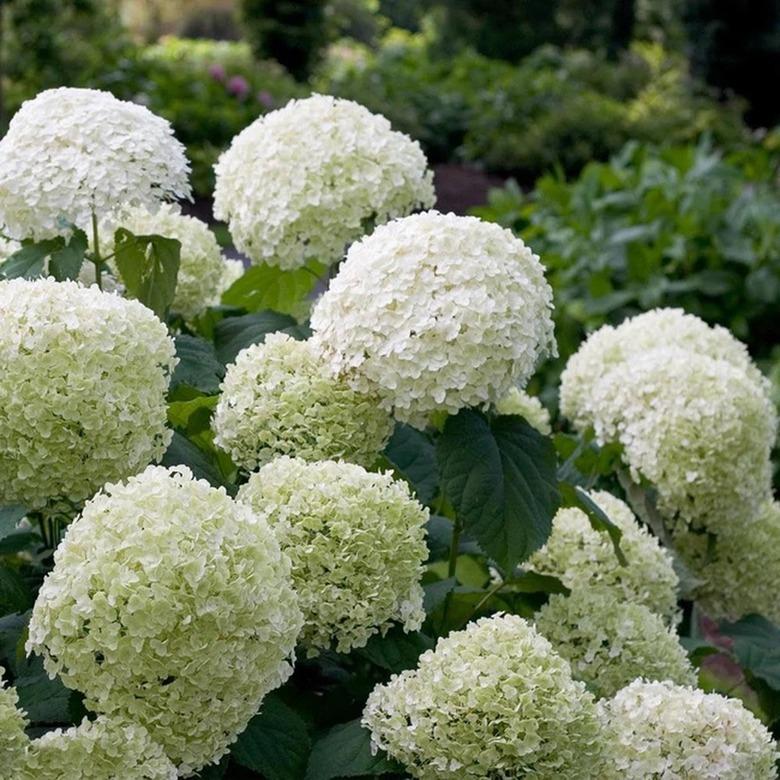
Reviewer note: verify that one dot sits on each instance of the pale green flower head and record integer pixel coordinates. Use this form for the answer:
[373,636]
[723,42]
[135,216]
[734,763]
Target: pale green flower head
[279,398]
[103,749]
[662,731]
[434,313]
[583,558]
[82,391]
[518,402]
[610,642]
[13,740]
[301,183]
[356,540]
[491,701]
[171,606]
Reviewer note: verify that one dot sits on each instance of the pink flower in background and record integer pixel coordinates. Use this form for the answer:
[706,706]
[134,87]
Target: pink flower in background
[265,98]
[217,72]
[238,86]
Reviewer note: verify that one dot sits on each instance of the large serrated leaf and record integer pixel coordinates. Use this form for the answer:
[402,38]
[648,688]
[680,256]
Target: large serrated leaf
[756,647]
[198,366]
[233,334]
[414,455]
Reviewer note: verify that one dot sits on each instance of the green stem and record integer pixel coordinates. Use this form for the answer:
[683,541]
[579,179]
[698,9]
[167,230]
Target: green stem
[96,259]
[454,546]
[484,600]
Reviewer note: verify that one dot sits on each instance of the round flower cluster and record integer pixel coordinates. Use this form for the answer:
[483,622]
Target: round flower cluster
[491,701]
[583,558]
[436,312]
[13,740]
[739,575]
[357,544]
[609,642]
[202,270]
[104,749]
[280,399]
[170,606]
[518,402]
[662,730]
[70,154]
[232,271]
[292,194]
[82,391]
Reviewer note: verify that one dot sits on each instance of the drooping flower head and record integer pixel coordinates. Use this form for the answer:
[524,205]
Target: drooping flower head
[661,730]
[13,740]
[518,402]
[583,558]
[82,391]
[71,153]
[103,749]
[493,700]
[171,606]
[279,398]
[302,182]
[356,540]
[436,312]
[610,642]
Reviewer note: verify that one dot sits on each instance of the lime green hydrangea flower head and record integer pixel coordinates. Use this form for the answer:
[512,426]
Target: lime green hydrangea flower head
[518,402]
[13,740]
[356,540]
[739,574]
[491,701]
[82,391]
[583,558]
[279,398]
[171,606]
[610,642]
[104,749]
[658,731]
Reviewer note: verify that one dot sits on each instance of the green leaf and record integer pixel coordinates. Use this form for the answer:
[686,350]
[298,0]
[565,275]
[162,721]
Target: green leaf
[436,592]
[270,287]
[198,366]
[397,650]
[183,452]
[15,596]
[149,268]
[276,742]
[66,263]
[194,416]
[9,518]
[756,647]
[414,455]
[45,701]
[233,334]
[29,261]
[345,751]
[501,478]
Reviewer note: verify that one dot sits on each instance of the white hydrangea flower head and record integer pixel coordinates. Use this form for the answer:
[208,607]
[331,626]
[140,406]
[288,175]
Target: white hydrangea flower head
[171,606]
[202,267]
[103,749]
[739,574]
[699,429]
[82,392]
[356,540]
[491,701]
[610,642]
[279,398]
[13,740]
[7,248]
[435,313]
[302,182]
[232,271]
[663,731]
[71,153]
[518,402]
[583,558]
[609,347]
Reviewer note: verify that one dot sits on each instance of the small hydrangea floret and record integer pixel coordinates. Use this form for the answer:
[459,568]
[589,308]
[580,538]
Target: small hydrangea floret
[13,722]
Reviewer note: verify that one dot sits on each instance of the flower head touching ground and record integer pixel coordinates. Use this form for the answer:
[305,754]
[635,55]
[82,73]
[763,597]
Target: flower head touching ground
[436,312]
[662,731]
[13,722]
[200,282]
[82,392]
[171,606]
[491,701]
[584,558]
[610,642]
[104,749]
[518,402]
[356,540]
[71,153]
[739,573]
[292,194]
[279,398]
